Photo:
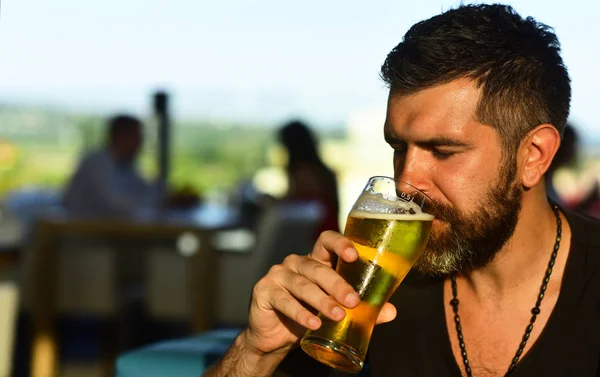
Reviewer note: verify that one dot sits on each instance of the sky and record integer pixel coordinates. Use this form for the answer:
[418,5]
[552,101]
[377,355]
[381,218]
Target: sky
[247,61]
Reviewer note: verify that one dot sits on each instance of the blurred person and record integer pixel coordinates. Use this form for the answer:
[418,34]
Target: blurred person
[478,99]
[107,182]
[308,176]
[582,195]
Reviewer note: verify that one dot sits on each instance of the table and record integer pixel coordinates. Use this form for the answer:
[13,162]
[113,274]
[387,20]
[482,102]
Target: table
[203,222]
[9,298]
[9,256]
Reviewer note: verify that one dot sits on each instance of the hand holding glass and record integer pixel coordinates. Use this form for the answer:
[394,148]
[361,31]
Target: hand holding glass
[389,226]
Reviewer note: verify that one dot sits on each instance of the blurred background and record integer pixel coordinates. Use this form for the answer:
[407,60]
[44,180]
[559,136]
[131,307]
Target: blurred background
[212,86]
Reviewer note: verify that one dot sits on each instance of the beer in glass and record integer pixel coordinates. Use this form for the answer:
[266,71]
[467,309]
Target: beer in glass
[389,226]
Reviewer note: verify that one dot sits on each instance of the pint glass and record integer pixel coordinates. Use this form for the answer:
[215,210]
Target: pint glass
[389,226]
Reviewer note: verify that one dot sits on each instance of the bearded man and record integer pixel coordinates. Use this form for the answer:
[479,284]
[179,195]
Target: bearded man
[509,283]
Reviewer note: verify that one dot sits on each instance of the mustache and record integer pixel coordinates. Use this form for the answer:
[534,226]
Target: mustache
[444,212]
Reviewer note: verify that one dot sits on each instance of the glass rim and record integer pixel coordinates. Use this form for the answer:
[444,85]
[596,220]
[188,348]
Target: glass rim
[406,183]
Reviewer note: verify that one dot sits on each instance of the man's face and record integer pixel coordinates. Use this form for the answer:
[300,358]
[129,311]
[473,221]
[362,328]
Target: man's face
[441,148]
[129,143]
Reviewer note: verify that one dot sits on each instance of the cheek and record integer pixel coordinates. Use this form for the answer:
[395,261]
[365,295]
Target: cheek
[452,184]
[464,184]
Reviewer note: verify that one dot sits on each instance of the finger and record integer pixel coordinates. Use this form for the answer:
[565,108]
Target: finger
[310,293]
[332,243]
[283,302]
[325,277]
[387,313]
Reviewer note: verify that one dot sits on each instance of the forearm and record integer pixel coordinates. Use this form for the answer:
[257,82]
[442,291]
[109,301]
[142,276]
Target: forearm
[241,361]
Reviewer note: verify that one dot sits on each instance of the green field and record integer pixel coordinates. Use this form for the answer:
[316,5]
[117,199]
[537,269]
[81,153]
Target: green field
[45,146]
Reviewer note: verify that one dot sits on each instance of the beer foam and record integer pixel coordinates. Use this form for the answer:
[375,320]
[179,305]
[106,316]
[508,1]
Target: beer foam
[384,204]
[391,216]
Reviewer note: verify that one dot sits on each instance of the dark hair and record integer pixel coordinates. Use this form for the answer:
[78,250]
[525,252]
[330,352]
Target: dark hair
[299,142]
[121,124]
[515,61]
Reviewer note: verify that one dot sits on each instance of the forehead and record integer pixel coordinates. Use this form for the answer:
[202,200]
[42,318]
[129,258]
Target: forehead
[447,110]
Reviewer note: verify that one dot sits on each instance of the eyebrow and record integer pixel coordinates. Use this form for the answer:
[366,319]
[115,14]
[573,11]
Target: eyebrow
[442,142]
[429,143]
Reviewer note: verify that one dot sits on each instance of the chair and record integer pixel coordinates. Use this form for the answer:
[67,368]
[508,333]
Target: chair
[87,302]
[283,229]
[178,358]
[86,278]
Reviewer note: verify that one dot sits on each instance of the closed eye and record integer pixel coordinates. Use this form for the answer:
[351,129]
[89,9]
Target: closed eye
[442,155]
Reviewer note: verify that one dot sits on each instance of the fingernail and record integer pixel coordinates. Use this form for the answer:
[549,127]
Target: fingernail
[352,299]
[313,323]
[337,311]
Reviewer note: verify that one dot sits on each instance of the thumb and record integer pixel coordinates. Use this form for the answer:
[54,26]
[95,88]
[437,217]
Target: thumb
[387,313]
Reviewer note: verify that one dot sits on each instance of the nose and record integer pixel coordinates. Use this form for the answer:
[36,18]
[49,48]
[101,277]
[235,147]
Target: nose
[415,169]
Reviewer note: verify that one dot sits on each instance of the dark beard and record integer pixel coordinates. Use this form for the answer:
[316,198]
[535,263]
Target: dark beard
[472,240]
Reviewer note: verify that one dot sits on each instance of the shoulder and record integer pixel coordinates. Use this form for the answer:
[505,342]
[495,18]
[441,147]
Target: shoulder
[585,241]
[96,157]
[584,229]
[89,164]
[582,277]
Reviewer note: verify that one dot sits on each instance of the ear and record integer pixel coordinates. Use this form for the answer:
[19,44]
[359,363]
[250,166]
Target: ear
[537,151]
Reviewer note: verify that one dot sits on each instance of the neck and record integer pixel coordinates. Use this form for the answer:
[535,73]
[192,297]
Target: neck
[526,253]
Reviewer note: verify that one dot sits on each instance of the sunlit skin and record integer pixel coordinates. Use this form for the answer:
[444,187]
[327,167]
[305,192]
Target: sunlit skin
[442,148]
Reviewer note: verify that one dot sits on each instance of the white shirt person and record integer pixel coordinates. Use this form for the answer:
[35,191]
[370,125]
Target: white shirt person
[106,183]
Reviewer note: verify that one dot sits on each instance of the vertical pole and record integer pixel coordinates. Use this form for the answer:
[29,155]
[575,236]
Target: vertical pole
[161,109]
